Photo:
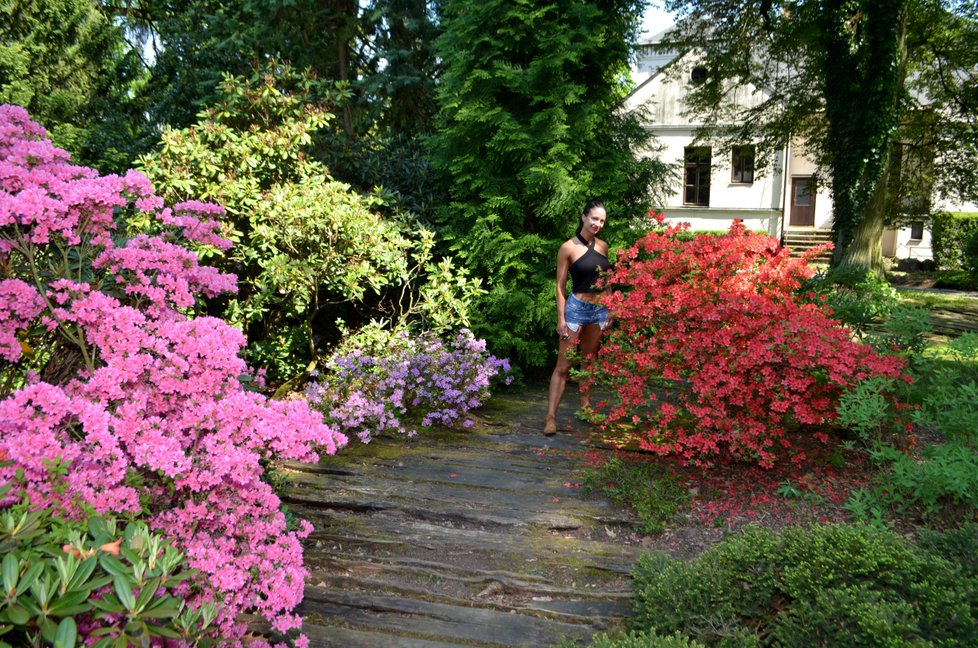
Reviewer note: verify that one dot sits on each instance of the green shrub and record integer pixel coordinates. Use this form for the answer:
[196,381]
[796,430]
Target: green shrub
[308,249]
[903,331]
[945,475]
[958,546]
[951,231]
[820,586]
[867,409]
[857,299]
[969,252]
[943,478]
[948,390]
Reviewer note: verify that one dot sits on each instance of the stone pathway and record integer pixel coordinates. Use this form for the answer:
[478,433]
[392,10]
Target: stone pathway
[469,538]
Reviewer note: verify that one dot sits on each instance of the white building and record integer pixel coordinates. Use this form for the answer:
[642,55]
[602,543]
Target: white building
[716,187]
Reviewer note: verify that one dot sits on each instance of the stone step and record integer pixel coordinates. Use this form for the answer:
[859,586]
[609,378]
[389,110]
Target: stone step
[443,624]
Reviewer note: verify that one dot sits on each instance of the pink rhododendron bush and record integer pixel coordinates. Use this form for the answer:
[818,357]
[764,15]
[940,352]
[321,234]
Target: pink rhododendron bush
[106,375]
[715,325]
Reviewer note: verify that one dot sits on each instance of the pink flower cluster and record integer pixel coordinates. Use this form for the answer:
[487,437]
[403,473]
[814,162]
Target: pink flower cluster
[156,423]
[24,305]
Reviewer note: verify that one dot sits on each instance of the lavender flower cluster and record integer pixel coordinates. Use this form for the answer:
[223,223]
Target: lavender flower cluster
[422,382]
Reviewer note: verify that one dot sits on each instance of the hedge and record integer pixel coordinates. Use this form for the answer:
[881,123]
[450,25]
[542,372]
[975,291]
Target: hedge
[951,232]
[835,585]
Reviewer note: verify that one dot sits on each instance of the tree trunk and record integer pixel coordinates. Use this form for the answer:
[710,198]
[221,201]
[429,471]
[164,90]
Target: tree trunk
[864,251]
[864,72]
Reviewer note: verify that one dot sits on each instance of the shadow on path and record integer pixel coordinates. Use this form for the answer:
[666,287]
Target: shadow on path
[462,538]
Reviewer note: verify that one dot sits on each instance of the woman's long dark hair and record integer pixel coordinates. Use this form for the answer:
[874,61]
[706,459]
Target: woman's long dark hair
[591,204]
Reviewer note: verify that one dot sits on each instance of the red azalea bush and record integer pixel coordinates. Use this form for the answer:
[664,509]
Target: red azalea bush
[117,400]
[713,330]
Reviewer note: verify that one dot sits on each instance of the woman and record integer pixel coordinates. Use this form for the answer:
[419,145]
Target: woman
[580,319]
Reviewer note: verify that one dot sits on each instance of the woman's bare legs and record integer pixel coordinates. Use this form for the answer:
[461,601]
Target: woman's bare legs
[558,380]
[590,338]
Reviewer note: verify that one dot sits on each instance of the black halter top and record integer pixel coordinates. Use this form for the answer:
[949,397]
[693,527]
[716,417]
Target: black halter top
[585,271]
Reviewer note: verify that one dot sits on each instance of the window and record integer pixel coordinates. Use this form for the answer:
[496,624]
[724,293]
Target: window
[742,164]
[698,75]
[917,230]
[696,179]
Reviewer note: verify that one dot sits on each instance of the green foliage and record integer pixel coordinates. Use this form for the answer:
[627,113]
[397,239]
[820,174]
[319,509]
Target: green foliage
[644,640]
[818,586]
[904,331]
[958,546]
[305,244]
[527,131]
[381,52]
[948,390]
[943,477]
[952,233]
[970,253]
[198,42]
[858,299]
[868,409]
[645,487]
[955,280]
[72,69]
[55,570]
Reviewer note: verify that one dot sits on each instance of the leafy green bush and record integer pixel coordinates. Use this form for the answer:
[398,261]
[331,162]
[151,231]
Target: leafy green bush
[951,231]
[54,571]
[945,475]
[307,247]
[942,476]
[903,331]
[948,390]
[959,546]
[819,586]
[868,409]
[969,252]
[858,299]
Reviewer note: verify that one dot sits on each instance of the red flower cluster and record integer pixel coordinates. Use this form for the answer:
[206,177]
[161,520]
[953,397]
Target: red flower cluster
[713,353]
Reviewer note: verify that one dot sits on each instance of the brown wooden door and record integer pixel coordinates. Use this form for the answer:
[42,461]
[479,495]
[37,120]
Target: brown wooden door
[802,202]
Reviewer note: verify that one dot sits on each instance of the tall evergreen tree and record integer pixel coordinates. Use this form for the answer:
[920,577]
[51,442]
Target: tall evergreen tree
[72,69]
[529,128]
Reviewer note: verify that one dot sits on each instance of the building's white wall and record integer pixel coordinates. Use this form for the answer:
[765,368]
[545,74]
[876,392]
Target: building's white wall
[897,244]
[951,205]
[757,204]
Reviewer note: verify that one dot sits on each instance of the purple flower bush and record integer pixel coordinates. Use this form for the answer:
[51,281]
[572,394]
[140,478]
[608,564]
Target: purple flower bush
[415,381]
[151,421]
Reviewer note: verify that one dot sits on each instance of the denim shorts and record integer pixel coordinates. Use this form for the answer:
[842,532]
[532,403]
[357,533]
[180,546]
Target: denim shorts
[578,313]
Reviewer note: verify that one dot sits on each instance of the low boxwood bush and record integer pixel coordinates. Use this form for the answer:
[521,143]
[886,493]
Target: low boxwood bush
[820,586]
